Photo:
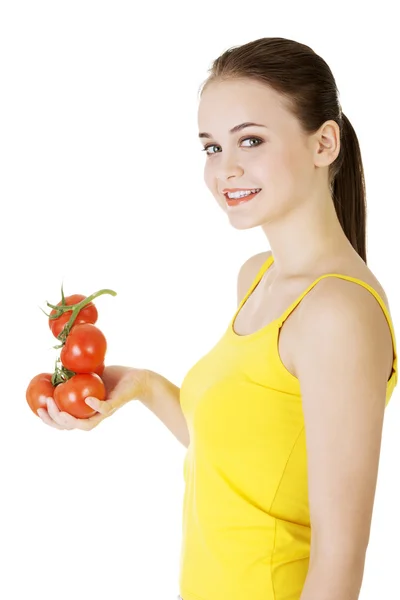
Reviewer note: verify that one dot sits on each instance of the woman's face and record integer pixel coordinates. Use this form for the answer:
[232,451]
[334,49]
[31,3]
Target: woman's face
[278,158]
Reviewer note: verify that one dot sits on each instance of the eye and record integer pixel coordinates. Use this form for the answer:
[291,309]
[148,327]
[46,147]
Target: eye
[258,140]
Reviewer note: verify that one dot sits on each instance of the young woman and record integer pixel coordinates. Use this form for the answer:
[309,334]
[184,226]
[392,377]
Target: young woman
[283,417]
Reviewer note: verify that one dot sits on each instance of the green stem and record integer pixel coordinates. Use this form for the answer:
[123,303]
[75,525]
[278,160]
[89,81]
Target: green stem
[78,307]
[61,375]
[59,307]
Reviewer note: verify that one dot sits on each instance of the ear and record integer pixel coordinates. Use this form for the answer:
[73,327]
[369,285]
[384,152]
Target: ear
[327,144]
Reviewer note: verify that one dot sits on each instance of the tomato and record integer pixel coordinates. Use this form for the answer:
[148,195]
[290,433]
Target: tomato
[70,396]
[88,314]
[38,390]
[84,349]
[100,369]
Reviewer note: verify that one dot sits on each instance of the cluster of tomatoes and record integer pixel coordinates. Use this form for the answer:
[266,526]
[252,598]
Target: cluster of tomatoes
[79,367]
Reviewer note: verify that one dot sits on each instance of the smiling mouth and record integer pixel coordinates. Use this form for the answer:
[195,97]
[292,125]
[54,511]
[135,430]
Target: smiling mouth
[242,200]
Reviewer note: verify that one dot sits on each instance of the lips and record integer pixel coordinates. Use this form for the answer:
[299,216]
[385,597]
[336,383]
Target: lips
[237,201]
[247,189]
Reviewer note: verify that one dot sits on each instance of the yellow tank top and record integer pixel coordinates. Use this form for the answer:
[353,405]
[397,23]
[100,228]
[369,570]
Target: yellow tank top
[246,524]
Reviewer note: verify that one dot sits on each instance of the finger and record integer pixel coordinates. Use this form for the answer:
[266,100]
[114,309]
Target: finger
[118,396]
[61,418]
[43,414]
[67,421]
[104,407]
[53,411]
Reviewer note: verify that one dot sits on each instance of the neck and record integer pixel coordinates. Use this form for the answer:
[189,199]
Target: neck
[306,238]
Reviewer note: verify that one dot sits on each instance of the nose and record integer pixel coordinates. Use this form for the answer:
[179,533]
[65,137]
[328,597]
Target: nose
[228,168]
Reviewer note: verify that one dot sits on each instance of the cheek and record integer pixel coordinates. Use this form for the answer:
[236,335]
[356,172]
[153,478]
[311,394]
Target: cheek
[211,182]
[297,158]
[277,175]
[209,177]
[283,170]
[271,173]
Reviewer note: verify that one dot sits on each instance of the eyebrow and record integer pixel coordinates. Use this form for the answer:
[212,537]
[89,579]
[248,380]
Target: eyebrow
[234,129]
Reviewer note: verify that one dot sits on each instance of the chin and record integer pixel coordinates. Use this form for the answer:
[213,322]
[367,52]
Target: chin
[244,223]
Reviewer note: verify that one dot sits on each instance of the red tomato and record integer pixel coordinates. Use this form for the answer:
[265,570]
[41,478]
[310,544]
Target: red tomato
[84,349]
[38,390]
[70,396]
[100,369]
[88,314]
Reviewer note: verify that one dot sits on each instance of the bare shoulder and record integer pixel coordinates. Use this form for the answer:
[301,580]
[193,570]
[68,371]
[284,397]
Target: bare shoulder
[351,292]
[248,271]
[344,310]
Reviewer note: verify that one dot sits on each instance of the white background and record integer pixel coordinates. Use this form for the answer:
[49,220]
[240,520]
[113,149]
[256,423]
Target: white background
[102,187]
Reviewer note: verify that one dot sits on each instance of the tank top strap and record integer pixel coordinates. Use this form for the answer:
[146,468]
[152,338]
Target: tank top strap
[355,280]
[264,267]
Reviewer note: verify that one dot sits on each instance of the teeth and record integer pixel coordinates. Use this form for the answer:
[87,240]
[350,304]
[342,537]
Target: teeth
[242,193]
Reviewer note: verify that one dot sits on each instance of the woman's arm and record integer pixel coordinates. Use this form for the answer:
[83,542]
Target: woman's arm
[341,357]
[162,398]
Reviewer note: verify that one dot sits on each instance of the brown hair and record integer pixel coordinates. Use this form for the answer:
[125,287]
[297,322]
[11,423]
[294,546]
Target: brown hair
[307,83]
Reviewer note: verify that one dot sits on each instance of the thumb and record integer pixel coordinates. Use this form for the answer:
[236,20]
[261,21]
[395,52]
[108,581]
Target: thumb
[104,407]
[119,396]
[91,401]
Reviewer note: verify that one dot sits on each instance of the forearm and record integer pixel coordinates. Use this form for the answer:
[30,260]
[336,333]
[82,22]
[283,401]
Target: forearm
[162,398]
[334,579]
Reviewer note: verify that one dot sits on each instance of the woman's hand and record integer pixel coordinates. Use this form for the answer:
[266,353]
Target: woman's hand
[122,385]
